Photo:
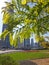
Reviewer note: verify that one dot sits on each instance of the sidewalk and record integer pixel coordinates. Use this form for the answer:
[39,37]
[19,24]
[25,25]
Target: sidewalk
[8,51]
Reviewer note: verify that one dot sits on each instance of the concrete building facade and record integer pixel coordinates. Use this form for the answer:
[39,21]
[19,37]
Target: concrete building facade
[25,45]
[5,43]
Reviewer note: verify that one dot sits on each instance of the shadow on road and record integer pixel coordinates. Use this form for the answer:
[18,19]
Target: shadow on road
[27,63]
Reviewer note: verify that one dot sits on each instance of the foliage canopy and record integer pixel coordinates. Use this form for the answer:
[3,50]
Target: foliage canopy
[26,17]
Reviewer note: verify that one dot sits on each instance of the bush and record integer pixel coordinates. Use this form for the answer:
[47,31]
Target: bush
[7,60]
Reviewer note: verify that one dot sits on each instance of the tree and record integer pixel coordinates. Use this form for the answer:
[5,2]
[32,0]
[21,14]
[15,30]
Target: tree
[45,44]
[24,19]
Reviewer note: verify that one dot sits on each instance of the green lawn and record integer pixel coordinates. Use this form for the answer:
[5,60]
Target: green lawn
[14,58]
[27,55]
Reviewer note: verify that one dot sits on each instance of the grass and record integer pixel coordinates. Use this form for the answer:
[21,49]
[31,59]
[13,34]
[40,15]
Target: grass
[14,58]
[27,55]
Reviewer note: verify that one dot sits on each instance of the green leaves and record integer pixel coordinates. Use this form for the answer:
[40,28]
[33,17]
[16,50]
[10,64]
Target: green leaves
[28,20]
[4,34]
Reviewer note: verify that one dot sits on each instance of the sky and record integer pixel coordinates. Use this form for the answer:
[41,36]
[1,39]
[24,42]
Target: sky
[2,4]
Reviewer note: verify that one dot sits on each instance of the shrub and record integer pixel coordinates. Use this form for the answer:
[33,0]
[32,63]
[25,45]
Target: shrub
[7,60]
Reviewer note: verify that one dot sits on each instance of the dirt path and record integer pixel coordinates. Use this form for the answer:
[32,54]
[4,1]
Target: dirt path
[41,61]
[36,62]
